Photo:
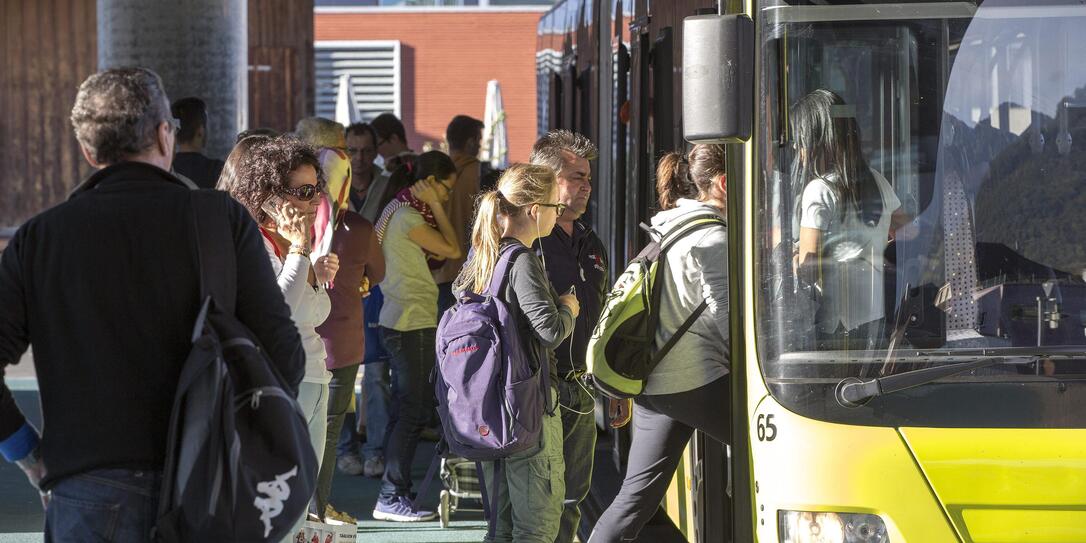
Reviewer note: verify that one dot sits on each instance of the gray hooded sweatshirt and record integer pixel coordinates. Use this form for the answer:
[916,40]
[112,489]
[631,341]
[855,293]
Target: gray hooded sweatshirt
[696,270]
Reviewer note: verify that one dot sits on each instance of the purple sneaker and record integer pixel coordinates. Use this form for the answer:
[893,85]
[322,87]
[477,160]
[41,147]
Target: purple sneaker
[401,509]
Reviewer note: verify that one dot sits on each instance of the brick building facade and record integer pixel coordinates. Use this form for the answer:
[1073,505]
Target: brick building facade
[446,58]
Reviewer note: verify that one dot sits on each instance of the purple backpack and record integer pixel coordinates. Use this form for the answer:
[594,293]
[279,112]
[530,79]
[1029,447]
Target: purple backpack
[490,397]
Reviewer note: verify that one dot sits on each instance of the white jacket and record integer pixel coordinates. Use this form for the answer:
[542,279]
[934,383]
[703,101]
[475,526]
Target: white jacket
[309,308]
[696,270]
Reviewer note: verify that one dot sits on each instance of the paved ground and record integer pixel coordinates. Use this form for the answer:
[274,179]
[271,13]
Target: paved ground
[21,516]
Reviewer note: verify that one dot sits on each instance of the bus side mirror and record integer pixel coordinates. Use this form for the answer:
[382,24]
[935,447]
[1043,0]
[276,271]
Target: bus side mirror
[718,78]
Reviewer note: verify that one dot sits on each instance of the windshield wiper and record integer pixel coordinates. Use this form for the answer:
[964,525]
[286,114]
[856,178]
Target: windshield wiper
[854,392]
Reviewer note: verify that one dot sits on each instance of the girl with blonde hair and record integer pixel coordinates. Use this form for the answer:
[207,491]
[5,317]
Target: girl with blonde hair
[508,222]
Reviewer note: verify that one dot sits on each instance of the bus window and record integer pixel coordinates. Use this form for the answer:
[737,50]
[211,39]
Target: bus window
[965,119]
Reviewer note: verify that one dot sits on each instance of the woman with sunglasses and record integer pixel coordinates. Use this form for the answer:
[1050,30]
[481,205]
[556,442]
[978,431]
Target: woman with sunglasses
[415,236]
[280,182]
[524,208]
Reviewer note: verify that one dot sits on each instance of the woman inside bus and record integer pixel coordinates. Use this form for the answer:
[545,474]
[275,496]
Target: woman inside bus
[413,230]
[689,388]
[532,487]
[845,211]
[283,175]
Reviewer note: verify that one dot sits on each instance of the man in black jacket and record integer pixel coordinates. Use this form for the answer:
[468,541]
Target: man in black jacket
[105,287]
[574,257]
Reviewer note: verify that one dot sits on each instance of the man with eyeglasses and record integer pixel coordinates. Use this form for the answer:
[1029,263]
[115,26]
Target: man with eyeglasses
[574,257]
[392,142]
[368,185]
[106,288]
[368,181]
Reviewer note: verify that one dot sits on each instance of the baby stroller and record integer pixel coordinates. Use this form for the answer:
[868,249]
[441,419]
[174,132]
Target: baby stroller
[461,481]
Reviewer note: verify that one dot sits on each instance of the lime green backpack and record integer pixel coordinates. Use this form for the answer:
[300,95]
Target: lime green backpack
[622,350]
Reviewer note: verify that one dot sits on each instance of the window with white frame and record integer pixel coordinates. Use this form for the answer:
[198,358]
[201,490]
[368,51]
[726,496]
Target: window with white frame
[374,68]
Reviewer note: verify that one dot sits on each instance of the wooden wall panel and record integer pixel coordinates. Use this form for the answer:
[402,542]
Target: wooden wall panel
[281,70]
[47,48]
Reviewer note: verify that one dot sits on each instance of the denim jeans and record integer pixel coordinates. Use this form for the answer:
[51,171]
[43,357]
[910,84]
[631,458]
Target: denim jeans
[103,505]
[377,392]
[413,404]
[340,396]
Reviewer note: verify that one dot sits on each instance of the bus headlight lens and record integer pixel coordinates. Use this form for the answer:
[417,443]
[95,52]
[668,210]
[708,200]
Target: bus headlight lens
[809,527]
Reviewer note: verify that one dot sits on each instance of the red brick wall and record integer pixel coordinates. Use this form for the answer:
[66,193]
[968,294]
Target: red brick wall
[447,58]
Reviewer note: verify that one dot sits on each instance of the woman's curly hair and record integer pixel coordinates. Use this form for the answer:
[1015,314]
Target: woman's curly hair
[266,169]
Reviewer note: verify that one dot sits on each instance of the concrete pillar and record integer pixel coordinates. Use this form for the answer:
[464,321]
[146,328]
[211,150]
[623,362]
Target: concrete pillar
[198,47]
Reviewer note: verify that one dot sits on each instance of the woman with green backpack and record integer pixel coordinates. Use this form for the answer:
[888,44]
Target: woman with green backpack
[689,388]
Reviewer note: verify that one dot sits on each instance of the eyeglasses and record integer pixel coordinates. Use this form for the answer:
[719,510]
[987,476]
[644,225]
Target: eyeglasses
[304,193]
[561,208]
[175,123]
[447,187]
[361,150]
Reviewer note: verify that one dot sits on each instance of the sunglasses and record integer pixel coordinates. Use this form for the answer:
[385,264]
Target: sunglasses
[304,193]
[561,208]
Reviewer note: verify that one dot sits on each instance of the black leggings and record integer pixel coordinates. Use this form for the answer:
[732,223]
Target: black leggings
[663,425]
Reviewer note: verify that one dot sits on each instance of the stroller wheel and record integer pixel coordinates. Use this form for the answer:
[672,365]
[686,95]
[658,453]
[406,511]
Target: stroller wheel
[443,510]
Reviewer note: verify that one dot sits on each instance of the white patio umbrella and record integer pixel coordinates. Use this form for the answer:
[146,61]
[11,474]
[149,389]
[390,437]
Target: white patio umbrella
[495,134]
[346,104]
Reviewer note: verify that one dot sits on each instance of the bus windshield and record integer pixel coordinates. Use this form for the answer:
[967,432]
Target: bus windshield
[922,184]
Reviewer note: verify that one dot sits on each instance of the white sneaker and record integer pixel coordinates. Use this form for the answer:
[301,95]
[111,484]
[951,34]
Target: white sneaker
[374,467]
[350,464]
[401,510]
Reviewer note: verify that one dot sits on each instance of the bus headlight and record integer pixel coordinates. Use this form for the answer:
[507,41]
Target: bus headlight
[810,527]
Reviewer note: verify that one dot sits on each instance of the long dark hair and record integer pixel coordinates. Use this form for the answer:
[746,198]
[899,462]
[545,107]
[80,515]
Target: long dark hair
[433,163]
[829,136]
[689,176]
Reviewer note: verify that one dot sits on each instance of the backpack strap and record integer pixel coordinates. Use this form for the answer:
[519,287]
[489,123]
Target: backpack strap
[688,226]
[671,341]
[439,451]
[506,257]
[216,263]
[215,254]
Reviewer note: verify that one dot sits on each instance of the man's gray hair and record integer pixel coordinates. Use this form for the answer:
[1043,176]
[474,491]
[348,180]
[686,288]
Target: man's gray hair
[547,150]
[117,113]
[319,132]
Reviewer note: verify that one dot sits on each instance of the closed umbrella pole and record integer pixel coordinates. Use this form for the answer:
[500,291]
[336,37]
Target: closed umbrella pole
[346,103]
[495,133]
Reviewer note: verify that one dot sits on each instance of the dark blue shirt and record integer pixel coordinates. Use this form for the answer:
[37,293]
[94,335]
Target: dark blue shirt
[578,260]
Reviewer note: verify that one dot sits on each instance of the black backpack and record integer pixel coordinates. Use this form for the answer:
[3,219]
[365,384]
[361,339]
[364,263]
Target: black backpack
[239,464]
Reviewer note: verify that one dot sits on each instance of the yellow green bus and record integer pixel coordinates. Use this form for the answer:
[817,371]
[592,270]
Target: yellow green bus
[927,387]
